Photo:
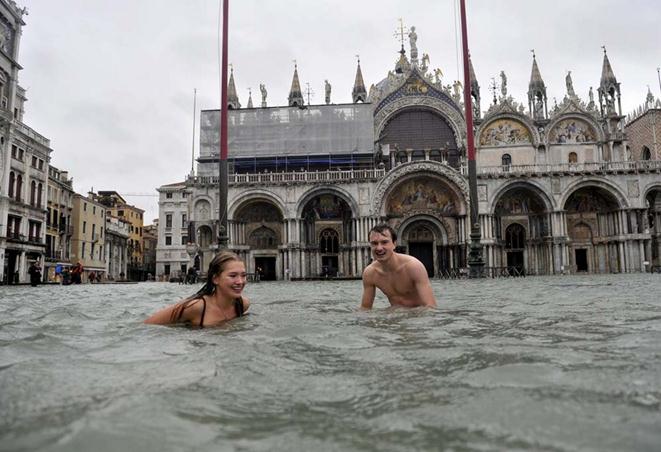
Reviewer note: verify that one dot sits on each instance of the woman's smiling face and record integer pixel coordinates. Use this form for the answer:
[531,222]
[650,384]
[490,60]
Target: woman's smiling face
[232,280]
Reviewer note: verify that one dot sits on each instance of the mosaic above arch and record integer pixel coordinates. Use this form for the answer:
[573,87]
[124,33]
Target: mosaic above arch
[589,199]
[519,201]
[421,193]
[505,132]
[572,130]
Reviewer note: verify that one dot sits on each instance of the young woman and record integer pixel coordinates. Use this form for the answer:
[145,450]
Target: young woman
[217,301]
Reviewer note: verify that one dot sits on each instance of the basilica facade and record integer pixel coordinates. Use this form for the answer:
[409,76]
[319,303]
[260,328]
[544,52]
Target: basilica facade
[559,188]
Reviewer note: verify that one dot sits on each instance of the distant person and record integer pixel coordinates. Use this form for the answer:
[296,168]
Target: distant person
[92,277]
[217,301]
[402,278]
[76,273]
[35,274]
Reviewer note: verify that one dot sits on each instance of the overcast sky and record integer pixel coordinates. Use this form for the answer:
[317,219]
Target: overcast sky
[110,82]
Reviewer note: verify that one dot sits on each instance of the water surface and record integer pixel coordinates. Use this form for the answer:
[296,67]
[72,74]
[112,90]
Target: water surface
[544,364]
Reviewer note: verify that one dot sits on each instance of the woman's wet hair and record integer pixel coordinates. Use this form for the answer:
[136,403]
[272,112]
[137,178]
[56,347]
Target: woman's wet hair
[383,227]
[216,267]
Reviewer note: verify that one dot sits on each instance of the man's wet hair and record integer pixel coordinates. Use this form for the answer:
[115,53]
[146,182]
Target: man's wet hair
[383,227]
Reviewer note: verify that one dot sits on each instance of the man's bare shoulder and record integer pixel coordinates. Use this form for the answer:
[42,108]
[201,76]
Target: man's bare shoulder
[371,271]
[413,265]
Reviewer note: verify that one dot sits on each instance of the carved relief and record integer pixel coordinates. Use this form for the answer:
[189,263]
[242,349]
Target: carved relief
[482,193]
[556,187]
[504,132]
[633,189]
[572,131]
[202,210]
[519,202]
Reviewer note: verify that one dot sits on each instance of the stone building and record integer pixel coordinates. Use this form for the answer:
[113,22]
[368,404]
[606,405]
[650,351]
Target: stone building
[149,244]
[118,207]
[116,247]
[87,245]
[59,227]
[172,258]
[24,158]
[558,191]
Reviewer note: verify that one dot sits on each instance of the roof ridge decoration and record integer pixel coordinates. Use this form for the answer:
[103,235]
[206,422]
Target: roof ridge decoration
[295,94]
[359,93]
[572,105]
[412,83]
[232,97]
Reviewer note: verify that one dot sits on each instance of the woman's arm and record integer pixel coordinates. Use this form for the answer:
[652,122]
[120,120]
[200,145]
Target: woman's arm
[182,312]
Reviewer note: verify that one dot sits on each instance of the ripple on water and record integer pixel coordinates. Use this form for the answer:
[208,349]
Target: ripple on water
[523,364]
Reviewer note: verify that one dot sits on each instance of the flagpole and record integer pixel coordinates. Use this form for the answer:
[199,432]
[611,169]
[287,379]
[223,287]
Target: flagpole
[222,164]
[475,260]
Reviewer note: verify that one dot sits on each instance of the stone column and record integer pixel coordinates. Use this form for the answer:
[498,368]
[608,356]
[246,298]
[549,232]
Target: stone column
[620,246]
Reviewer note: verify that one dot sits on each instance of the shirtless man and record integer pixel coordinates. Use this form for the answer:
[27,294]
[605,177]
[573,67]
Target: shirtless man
[402,278]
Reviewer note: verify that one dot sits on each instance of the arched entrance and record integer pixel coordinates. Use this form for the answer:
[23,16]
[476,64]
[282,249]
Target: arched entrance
[326,232]
[419,240]
[594,228]
[521,230]
[653,251]
[515,241]
[260,226]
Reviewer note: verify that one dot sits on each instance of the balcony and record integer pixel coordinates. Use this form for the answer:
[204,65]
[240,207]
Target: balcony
[337,176]
[630,167]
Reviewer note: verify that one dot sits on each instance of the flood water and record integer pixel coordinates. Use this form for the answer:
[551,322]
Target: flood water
[544,364]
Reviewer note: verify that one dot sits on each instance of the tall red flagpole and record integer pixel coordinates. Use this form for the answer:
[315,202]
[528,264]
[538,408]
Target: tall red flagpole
[475,261]
[222,164]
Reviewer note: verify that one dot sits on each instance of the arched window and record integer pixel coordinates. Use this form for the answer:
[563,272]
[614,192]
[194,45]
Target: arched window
[40,189]
[507,160]
[329,242]
[435,155]
[33,192]
[12,178]
[19,187]
[418,155]
[515,237]
[646,154]
[573,158]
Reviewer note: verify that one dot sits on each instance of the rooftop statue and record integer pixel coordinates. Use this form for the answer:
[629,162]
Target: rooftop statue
[413,39]
[328,91]
[262,89]
[503,83]
[570,85]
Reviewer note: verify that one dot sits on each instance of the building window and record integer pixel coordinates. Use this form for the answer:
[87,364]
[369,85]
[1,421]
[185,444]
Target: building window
[168,195]
[573,157]
[40,189]
[168,240]
[84,226]
[33,193]
[41,164]
[93,210]
[34,161]
[19,187]
[184,239]
[14,151]
[166,269]
[168,220]
[12,178]
[646,154]
[93,232]
[21,152]
[84,207]
[506,160]
[184,223]
[82,250]
[120,213]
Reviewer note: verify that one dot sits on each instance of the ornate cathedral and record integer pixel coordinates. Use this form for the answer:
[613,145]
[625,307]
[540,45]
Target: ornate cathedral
[559,189]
